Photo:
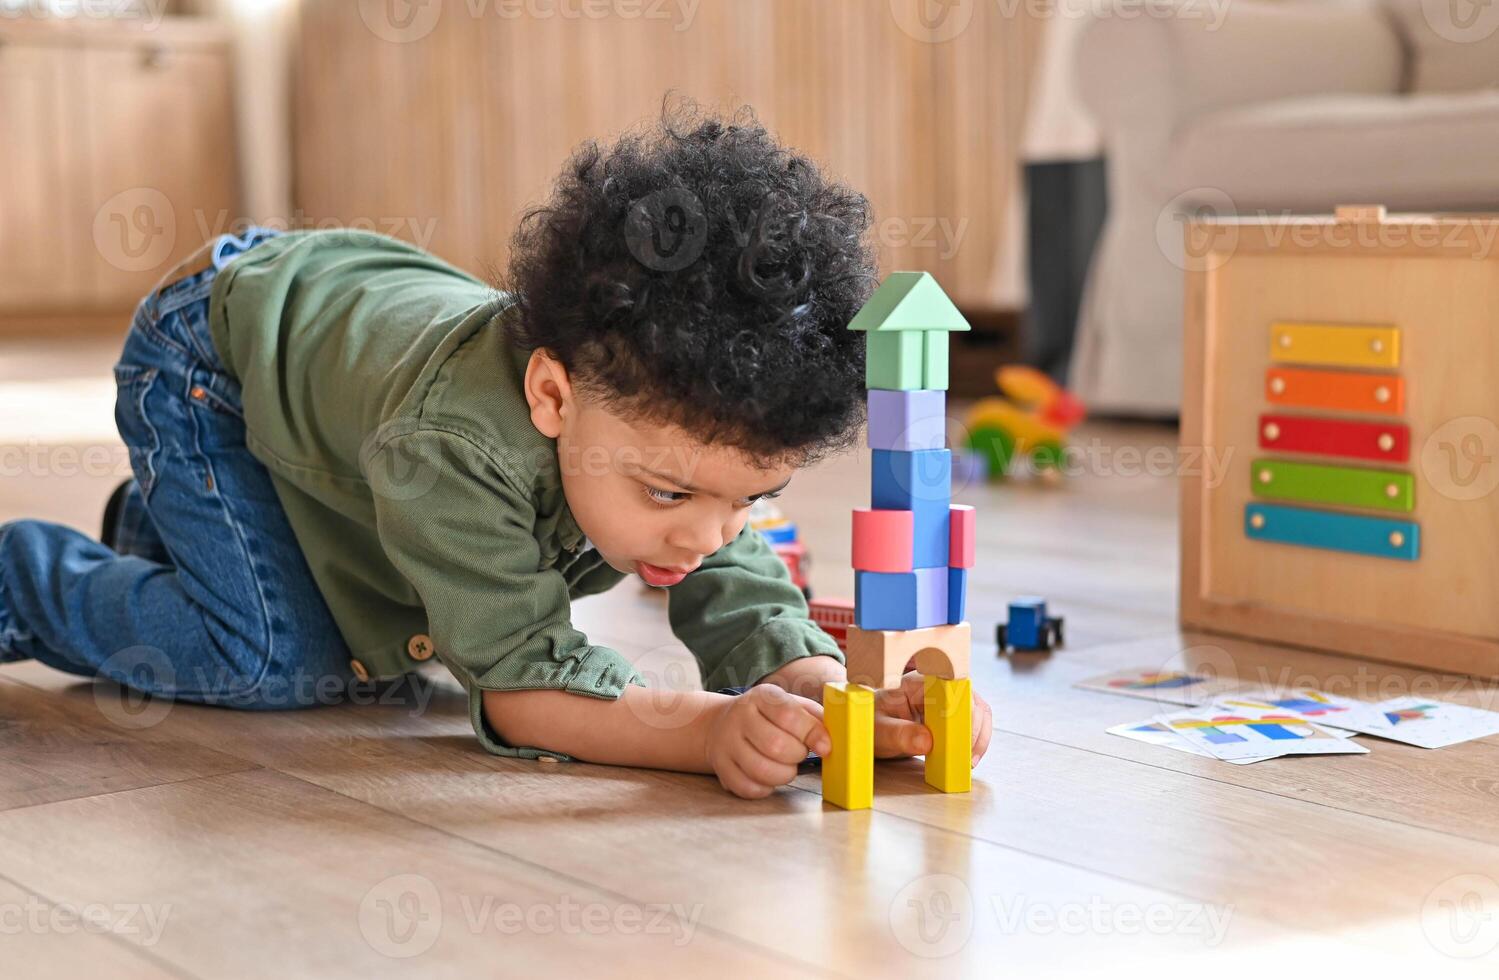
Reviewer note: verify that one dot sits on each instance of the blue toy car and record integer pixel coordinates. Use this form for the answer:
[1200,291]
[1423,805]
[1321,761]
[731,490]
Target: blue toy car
[1029,627]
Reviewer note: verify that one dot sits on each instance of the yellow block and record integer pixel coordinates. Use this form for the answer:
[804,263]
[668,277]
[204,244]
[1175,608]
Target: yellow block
[949,715]
[1024,427]
[1343,346]
[848,773]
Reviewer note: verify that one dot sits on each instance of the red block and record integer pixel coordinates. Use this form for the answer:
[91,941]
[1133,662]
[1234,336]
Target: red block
[1384,441]
[961,524]
[883,540]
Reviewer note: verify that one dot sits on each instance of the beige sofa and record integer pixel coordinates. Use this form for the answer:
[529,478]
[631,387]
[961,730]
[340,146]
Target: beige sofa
[1253,106]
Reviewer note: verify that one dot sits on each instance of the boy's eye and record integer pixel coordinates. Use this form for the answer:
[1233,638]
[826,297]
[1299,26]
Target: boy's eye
[750,501]
[665,496]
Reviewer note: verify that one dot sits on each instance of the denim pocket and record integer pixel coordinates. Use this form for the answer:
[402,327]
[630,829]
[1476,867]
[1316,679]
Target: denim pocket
[132,382]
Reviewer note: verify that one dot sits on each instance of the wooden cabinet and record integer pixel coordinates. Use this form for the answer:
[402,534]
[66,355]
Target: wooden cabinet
[120,143]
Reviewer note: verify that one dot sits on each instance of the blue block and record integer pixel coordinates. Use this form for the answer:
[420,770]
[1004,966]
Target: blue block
[1310,528]
[780,534]
[900,600]
[919,481]
[906,479]
[907,420]
[1027,617]
[957,595]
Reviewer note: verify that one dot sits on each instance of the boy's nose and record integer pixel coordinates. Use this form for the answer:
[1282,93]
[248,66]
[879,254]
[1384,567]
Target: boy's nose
[702,539]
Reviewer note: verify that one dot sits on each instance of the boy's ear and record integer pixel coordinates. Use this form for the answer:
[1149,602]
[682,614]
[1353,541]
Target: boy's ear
[549,392]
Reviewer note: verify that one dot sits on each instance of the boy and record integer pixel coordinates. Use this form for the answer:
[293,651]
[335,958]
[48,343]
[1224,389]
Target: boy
[351,457]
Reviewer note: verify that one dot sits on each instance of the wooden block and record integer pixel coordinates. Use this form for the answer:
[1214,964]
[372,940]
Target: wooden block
[1335,345]
[878,658]
[848,771]
[934,360]
[962,528]
[893,361]
[907,420]
[948,714]
[1348,486]
[908,301]
[1344,391]
[901,600]
[920,482]
[882,540]
[1387,442]
[957,595]
[1377,536]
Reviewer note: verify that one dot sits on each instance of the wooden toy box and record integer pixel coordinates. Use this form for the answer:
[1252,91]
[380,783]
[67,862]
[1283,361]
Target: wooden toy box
[1344,371]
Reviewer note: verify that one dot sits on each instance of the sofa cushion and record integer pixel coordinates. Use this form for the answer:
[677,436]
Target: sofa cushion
[1408,152]
[1453,45]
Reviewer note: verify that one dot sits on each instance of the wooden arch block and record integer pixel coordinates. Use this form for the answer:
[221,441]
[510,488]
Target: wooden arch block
[878,658]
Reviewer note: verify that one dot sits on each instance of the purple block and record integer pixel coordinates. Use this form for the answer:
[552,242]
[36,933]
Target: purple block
[931,597]
[907,421]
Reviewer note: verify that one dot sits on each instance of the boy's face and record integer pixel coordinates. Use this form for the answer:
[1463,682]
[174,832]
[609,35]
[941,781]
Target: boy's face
[652,499]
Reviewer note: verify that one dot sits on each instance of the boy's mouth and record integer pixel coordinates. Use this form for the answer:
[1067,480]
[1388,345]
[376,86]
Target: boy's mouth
[657,576]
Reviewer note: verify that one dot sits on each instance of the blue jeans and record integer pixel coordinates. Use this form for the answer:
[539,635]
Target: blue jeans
[204,595]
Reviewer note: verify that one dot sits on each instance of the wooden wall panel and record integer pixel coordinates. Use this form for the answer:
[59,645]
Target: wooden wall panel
[469,123]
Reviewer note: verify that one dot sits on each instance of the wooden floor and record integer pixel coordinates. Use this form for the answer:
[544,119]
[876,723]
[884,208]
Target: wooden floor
[377,839]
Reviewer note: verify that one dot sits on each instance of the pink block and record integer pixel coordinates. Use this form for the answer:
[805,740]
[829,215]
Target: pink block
[961,525]
[883,540]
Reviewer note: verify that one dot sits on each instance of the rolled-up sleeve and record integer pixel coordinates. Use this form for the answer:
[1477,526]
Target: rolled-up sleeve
[742,616]
[463,535]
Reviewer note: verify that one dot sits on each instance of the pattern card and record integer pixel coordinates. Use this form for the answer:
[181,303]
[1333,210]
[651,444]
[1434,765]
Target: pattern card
[1154,733]
[1163,686]
[1325,709]
[1432,724]
[1249,734]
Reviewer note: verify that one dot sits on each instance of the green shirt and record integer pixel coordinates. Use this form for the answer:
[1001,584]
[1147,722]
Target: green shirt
[382,393]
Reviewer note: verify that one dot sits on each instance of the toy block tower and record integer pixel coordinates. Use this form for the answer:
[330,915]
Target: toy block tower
[911,548]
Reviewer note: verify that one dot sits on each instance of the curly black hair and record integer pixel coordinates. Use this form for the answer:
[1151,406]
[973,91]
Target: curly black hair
[698,273]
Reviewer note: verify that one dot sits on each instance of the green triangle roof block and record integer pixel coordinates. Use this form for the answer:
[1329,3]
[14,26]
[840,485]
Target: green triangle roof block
[909,301]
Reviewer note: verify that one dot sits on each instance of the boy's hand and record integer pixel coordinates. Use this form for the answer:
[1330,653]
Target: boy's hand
[898,713]
[759,737]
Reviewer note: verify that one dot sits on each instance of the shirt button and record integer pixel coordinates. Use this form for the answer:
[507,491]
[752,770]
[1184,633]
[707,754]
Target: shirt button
[360,671]
[420,647]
